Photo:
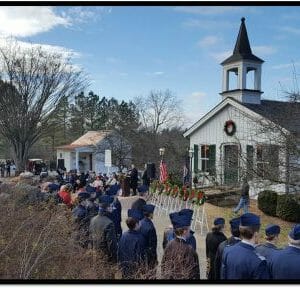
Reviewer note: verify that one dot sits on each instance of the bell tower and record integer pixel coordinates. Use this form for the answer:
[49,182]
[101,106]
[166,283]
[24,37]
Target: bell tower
[242,71]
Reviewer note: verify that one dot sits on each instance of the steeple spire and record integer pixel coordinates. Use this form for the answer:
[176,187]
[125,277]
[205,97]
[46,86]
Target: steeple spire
[242,49]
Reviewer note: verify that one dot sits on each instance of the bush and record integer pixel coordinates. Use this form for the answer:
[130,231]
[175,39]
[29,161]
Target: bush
[288,208]
[267,202]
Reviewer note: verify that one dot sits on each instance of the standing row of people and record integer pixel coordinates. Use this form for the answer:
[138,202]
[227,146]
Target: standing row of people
[241,257]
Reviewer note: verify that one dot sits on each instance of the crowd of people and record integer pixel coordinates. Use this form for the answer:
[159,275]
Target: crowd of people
[96,209]
[6,167]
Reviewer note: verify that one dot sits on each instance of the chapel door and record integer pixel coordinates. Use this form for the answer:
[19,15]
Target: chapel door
[231,164]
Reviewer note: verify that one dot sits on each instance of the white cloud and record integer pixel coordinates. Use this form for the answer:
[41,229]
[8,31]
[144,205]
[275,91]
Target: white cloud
[292,30]
[22,21]
[208,10]
[25,21]
[263,50]
[221,56]
[207,24]
[208,41]
[158,73]
[49,48]
[81,15]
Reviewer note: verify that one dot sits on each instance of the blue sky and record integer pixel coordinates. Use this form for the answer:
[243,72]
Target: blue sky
[127,51]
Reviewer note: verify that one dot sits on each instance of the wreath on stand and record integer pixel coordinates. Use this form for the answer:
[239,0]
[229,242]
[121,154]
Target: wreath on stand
[230,128]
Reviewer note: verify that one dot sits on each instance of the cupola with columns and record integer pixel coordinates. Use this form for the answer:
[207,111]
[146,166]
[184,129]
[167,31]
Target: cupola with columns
[242,71]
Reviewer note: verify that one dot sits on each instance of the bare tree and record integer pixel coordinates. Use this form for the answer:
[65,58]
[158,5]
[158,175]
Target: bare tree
[33,82]
[159,110]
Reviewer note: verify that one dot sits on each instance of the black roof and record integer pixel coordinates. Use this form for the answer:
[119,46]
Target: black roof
[286,114]
[242,49]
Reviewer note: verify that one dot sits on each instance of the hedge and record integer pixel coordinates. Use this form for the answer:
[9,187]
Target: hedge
[267,202]
[288,207]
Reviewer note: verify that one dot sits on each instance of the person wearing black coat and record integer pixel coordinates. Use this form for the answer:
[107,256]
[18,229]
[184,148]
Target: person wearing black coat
[132,249]
[235,238]
[213,239]
[145,178]
[149,232]
[102,230]
[133,179]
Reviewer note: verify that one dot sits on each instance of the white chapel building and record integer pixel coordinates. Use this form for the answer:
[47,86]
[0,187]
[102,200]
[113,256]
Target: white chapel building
[242,136]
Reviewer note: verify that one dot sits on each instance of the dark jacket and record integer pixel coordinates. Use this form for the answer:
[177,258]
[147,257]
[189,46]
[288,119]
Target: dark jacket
[245,190]
[131,253]
[103,236]
[115,216]
[81,223]
[133,178]
[148,231]
[240,261]
[180,261]
[266,249]
[213,239]
[218,259]
[285,263]
[170,235]
[146,180]
[138,204]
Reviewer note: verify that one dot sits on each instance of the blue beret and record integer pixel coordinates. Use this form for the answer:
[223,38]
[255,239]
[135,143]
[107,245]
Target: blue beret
[295,232]
[235,223]
[250,219]
[106,199]
[113,190]
[53,187]
[179,221]
[90,189]
[219,221]
[83,195]
[272,229]
[136,214]
[148,208]
[143,189]
[187,212]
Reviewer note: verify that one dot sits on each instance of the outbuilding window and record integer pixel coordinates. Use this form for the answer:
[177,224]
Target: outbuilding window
[267,160]
[208,159]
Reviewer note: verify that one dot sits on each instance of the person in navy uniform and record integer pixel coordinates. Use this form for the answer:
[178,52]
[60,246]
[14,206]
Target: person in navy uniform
[267,248]
[285,263]
[149,232]
[102,230]
[213,239]
[169,233]
[116,215]
[235,238]
[241,261]
[81,220]
[132,248]
[180,260]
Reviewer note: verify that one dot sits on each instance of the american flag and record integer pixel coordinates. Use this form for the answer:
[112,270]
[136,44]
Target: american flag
[163,171]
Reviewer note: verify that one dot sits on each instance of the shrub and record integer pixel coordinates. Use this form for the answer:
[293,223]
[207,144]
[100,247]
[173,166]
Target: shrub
[267,202]
[288,208]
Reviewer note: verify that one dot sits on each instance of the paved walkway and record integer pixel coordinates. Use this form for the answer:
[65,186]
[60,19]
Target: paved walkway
[161,222]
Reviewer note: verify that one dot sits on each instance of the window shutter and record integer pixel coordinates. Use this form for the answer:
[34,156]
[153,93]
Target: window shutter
[196,149]
[212,160]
